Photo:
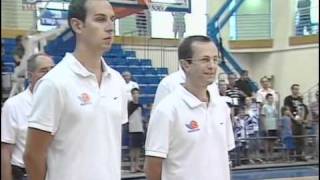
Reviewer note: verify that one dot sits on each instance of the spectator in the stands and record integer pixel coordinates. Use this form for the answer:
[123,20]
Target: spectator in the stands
[266,89]
[240,134]
[252,130]
[269,116]
[314,109]
[222,85]
[136,132]
[285,129]
[19,51]
[243,83]
[299,112]
[236,95]
[130,83]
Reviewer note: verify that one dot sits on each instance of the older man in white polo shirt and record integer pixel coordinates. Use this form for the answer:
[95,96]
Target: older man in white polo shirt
[14,121]
[79,107]
[190,131]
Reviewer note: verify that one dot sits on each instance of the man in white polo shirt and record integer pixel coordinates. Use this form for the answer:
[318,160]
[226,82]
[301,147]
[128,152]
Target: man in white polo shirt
[190,131]
[14,121]
[79,107]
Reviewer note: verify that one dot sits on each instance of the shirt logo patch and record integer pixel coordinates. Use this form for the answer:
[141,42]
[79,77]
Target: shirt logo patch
[192,126]
[84,99]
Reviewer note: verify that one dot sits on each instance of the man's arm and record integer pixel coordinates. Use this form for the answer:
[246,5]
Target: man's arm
[36,151]
[153,167]
[6,154]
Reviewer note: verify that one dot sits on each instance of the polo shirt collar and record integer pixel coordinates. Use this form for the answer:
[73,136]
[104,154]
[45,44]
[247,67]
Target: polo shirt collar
[79,69]
[191,100]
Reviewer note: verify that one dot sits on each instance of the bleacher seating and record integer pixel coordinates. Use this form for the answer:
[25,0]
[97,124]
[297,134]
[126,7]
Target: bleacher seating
[121,60]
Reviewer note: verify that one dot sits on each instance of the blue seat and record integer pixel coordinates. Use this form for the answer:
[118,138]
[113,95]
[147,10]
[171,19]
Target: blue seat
[133,62]
[149,89]
[136,70]
[150,71]
[146,99]
[130,53]
[162,71]
[146,62]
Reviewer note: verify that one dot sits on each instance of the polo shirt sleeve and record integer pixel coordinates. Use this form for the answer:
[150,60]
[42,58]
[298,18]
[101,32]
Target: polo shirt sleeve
[229,132]
[124,105]
[8,123]
[158,134]
[161,93]
[47,107]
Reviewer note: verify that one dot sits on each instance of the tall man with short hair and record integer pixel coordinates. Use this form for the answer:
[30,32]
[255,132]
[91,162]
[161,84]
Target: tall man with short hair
[14,121]
[191,126]
[79,107]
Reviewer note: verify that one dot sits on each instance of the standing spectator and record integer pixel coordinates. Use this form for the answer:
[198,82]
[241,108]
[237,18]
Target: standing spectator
[285,128]
[269,123]
[19,51]
[179,24]
[252,130]
[266,89]
[14,121]
[240,134]
[294,101]
[130,84]
[78,108]
[191,125]
[222,90]
[304,17]
[136,132]
[244,84]
[314,109]
[236,95]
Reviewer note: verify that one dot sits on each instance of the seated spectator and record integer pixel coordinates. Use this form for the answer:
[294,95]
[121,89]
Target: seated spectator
[130,84]
[269,116]
[244,84]
[285,129]
[266,89]
[136,132]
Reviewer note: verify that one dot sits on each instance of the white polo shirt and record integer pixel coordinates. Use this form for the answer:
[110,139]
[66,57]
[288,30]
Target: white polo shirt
[84,118]
[14,124]
[261,95]
[172,81]
[193,138]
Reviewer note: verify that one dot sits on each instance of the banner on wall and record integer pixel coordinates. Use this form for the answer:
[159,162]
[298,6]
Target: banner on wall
[53,17]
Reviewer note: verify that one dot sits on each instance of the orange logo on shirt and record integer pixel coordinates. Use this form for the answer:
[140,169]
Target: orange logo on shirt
[84,99]
[193,126]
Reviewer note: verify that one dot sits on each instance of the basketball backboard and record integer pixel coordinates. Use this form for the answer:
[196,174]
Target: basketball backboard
[170,5]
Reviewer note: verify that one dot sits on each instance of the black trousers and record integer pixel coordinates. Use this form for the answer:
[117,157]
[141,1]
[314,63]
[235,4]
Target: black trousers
[18,173]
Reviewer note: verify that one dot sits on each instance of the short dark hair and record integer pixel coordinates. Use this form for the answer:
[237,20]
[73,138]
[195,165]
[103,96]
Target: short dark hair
[268,95]
[19,38]
[134,89]
[294,85]
[185,50]
[77,9]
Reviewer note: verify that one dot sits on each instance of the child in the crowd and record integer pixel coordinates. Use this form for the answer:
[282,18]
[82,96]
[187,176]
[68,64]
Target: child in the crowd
[240,133]
[269,122]
[136,132]
[285,128]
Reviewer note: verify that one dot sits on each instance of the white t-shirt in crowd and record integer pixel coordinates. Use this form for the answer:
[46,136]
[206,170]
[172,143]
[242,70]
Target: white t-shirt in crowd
[129,86]
[84,118]
[14,124]
[135,121]
[261,95]
[172,81]
[193,138]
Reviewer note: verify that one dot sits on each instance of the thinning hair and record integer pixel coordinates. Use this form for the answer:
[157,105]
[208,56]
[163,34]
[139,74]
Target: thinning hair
[33,63]
[185,50]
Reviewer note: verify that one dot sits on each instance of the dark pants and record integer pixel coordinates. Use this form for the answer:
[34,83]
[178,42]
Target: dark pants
[18,173]
[299,141]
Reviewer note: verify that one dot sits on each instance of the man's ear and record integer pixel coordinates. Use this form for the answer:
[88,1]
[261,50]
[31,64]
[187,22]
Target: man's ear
[76,25]
[185,65]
